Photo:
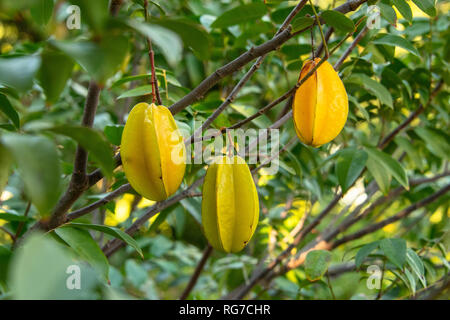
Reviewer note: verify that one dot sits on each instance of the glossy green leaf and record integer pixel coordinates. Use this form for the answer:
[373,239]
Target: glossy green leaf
[378,171]
[316,264]
[115,232]
[166,40]
[437,142]
[426,6]
[373,87]
[301,23]
[13,217]
[241,14]
[39,167]
[55,70]
[391,165]
[18,72]
[41,11]
[114,133]
[337,20]
[41,269]
[93,141]
[404,8]
[416,265]
[193,35]
[364,252]
[397,41]
[136,92]
[5,165]
[388,13]
[9,111]
[349,166]
[83,244]
[100,59]
[394,250]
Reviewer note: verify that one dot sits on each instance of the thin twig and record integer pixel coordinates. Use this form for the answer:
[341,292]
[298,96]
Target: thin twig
[197,272]
[151,55]
[22,223]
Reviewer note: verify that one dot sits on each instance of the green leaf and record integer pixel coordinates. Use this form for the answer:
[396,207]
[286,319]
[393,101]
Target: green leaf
[411,150]
[397,41]
[338,20]
[301,23]
[100,59]
[411,280]
[350,164]
[41,269]
[394,250]
[388,13]
[93,141]
[5,165]
[9,111]
[373,87]
[416,265]
[55,70]
[170,78]
[136,92]
[193,35]
[426,6]
[39,167]
[380,175]
[436,141]
[404,8]
[364,252]
[41,11]
[166,40]
[391,165]
[115,232]
[114,133]
[18,72]
[83,244]
[316,264]
[13,217]
[243,13]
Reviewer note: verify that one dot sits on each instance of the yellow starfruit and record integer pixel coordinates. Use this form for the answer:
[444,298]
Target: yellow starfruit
[230,206]
[153,152]
[320,106]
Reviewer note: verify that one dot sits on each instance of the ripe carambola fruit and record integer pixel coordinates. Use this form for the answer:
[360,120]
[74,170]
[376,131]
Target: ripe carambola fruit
[230,206]
[153,152]
[320,105]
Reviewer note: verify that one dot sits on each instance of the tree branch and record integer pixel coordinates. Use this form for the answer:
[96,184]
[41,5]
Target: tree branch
[197,272]
[402,214]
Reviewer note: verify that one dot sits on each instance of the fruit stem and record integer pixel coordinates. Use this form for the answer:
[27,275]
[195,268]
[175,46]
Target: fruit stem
[327,54]
[151,55]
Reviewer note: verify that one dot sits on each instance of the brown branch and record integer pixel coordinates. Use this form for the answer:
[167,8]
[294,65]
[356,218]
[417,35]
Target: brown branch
[97,204]
[402,214]
[22,223]
[115,7]
[114,245]
[347,52]
[197,272]
[9,233]
[383,143]
[79,181]
[248,56]
[198,92]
